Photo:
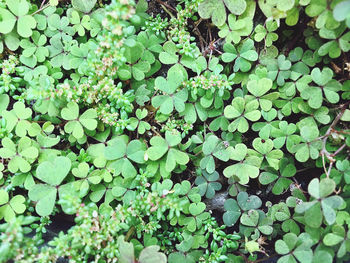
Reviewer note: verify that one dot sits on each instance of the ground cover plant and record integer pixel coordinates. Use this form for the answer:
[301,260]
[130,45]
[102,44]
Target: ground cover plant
[175,131]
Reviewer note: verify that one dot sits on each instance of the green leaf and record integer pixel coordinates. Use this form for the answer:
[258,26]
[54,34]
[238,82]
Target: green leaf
[71,112]
[4,197]
[196,209]
[136,151]
[84,6]
[25,25]
[87,119]
[236,7]
[332,239]
[4,102]
[248,202]
[259,87]
[60,167]
[341,11]
[250,218]
[8,21]
[233,212]
[150,254]
[321,189]
[243,171]
[157,150]
[281,247]
[45,196]
[214,9]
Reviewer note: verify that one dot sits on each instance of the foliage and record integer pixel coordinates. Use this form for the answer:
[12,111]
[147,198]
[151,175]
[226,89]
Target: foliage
[215,131]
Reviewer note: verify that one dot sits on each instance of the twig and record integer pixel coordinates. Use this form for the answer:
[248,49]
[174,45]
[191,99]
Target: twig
[41,9]
[198,33]
[154,130]
[324,152]
[339,150]
[329,169]
[303,169]
[264,259]
[42,3]
[130,233]
[166,5]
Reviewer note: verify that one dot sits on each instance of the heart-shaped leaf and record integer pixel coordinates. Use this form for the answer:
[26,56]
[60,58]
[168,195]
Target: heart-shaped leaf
[248,202]
[54,172]
[45,196]
[84,6]
[196,209]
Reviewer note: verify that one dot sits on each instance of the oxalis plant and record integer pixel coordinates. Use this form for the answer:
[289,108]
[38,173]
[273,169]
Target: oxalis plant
[174,131]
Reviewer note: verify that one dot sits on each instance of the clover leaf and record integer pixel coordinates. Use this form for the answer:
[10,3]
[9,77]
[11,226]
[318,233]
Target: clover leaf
[80,24]
[122,153]
[336,237]
[344,167]
[234,208]
[85,179]
[78,56]
[166,147]
[233,212]
[142,95]
[341,12]
[259,88]
[279,178]
[255,221]
[171,98]
[241,110]
[18,117]
[236,28]
[334,47]
[57,28]
[151,253]
[216,9]
[323,205]
[247,202]
[76,123]
[34,52]
[198,216]
[281,213]
[45,194]
[21,154]
[265,128]
[18,15]
[320,115]
[60,51]
[42,17]
[323,15]
[84,6]
[266,32]
[139,63]
[243,55]
[10,207]
[248,167]
[138,123]
[294,247]
[10,40]
[265,150]
[327,87]
[279,69]
[310,146]
[207,184]
[212,147]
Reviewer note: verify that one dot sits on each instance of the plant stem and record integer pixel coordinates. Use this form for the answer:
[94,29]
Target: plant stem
[166,5]
[41,9]
[324,152]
